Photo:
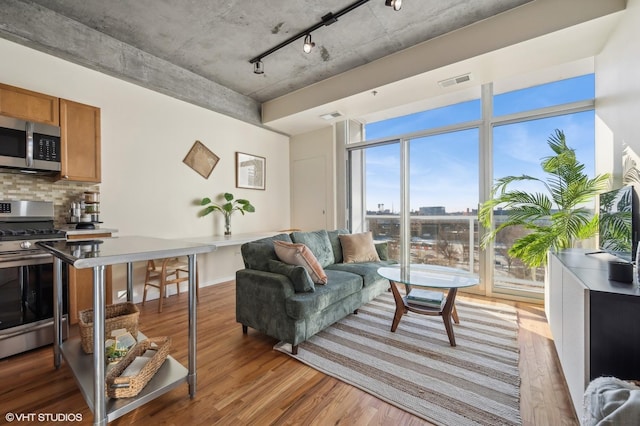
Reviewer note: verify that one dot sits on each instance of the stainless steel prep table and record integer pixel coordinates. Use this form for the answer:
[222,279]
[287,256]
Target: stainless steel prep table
[89,371]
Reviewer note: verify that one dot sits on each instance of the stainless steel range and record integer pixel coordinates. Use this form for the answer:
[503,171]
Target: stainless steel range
[26,276]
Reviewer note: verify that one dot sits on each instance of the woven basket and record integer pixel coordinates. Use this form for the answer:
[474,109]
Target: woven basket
[121,315]
[130,386]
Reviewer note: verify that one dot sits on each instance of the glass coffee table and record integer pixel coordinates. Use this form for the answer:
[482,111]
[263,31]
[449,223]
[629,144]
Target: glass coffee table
[431,276]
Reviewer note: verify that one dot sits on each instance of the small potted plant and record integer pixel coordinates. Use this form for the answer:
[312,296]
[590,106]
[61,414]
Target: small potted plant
[227,208]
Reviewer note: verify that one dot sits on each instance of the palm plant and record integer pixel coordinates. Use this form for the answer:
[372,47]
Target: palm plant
[555,219]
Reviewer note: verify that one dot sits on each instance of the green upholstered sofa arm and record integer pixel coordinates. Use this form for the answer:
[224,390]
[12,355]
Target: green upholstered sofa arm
[264,285]
[261,304]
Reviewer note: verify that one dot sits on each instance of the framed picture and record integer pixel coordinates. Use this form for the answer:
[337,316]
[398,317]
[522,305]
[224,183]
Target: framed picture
[250,171]
[201,159]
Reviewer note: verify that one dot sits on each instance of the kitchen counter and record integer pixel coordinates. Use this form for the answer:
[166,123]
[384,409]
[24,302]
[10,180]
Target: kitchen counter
[71,230]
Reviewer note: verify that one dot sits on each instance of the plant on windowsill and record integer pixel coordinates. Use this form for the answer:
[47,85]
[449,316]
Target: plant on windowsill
[227,208]
[556,220]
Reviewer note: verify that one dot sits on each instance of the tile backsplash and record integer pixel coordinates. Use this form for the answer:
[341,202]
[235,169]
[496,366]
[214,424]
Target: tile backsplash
[15,187]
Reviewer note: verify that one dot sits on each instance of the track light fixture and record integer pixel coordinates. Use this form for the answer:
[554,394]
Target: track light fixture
[326,20]
[308,44]
[395,4]
[258,67]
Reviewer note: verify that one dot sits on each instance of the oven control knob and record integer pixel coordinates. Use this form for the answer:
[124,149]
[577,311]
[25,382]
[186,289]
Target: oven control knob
[25,244]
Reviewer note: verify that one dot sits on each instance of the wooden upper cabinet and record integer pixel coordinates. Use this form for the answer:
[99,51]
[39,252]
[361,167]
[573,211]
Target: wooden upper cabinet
[80,142]
[28,105]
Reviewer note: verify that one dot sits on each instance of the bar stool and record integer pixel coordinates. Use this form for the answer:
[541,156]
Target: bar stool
[163,272]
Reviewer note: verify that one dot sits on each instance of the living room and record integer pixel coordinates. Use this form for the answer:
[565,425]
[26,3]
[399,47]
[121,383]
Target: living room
[146,188]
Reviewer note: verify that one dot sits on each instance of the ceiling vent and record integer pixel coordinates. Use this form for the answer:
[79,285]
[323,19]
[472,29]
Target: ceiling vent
[331,115]
[455,80]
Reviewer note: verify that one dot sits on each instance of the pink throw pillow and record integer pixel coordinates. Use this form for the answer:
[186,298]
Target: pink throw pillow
[299,254]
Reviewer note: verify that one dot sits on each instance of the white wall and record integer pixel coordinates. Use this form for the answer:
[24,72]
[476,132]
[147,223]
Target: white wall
[618,93]
[146,188]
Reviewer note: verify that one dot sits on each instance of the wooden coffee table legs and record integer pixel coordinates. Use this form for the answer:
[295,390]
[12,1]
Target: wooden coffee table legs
[446,311]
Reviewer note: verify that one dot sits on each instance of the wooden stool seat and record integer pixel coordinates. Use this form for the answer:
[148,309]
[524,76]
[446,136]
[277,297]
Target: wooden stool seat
[163,272]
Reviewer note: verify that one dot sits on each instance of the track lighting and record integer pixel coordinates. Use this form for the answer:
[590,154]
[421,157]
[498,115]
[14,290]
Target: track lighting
[328,19]
[308,44]
[258,67]
[395,4]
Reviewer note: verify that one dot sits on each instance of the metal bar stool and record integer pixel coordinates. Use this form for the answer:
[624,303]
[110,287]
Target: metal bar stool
[169,271]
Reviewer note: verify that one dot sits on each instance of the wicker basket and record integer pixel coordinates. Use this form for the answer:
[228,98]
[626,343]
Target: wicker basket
[130,386]
[121,315]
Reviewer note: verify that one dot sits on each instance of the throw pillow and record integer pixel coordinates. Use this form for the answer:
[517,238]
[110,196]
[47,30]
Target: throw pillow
[358,248]
[299,254]
[299,276]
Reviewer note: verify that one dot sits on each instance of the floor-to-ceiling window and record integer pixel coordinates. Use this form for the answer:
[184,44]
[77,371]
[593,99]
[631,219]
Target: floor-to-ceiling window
[443,194]
[428,170]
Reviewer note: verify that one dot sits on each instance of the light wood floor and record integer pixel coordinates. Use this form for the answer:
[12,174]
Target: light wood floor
[241,380]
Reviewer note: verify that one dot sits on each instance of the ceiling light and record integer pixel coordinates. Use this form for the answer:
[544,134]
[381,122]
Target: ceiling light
[328,19]
[395,4]
[258,67]
[308,44]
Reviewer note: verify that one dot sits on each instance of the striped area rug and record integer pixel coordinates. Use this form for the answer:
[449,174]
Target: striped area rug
[475,383]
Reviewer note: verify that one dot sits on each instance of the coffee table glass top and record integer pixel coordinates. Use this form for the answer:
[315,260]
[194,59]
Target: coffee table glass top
[429,276]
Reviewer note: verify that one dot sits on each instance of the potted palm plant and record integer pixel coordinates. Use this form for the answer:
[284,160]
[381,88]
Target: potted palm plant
[227,208]
[556,219]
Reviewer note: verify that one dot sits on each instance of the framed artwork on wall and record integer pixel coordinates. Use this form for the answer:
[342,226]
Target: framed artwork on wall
[250,171]
[201,159]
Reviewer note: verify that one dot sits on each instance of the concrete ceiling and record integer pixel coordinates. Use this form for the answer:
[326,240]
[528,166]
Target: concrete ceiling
[216,39]
[199,51]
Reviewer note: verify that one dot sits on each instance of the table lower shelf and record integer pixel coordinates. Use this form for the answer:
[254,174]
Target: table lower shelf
[168,377]
[418,306]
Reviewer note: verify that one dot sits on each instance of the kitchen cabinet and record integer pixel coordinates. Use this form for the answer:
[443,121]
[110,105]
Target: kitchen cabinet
[80,142]
[595,322]
[81,291]
[81,282]
[28,105]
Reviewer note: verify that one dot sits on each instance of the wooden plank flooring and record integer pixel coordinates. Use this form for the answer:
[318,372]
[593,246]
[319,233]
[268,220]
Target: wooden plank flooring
[243,381]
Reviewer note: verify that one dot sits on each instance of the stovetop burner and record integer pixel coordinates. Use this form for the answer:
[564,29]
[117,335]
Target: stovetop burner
[23,223]
[21,234]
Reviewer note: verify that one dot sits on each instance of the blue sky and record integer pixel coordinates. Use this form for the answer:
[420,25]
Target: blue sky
[444,168]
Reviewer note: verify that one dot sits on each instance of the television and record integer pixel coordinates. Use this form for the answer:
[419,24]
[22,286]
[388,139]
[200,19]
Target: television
[618,223]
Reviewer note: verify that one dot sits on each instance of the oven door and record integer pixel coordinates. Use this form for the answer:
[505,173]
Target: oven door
[26,289]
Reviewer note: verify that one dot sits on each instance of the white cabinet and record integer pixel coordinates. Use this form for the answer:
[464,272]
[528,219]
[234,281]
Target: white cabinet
[575,323]
[594,321]
[566,308]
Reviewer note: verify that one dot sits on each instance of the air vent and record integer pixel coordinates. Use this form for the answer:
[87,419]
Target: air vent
[455,80]
[331,115]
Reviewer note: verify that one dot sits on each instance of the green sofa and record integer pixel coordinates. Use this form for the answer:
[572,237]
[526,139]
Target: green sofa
[276,299]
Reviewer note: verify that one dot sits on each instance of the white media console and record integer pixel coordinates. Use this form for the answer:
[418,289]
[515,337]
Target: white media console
[595,322]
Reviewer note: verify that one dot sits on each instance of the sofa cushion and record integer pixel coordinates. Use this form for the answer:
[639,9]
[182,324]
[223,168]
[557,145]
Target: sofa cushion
[368,270]
[256,254]
[319,244]
[298,275]
[358,248]
[299,254]
[335,243]
[339,285]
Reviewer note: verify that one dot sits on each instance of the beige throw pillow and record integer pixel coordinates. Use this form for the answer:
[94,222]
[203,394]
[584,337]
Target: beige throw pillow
[299,254]
[358,248]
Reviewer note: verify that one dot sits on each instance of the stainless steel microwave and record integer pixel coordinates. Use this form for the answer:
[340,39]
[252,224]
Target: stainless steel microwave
[29,147]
